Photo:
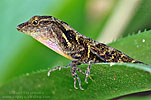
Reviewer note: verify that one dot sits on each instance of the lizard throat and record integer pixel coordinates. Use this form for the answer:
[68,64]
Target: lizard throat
[52,46]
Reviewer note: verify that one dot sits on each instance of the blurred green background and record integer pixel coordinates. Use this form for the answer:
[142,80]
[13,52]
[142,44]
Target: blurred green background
[20,54]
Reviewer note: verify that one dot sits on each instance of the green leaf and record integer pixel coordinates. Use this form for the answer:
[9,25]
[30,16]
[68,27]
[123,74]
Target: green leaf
[108,82]
[139,22]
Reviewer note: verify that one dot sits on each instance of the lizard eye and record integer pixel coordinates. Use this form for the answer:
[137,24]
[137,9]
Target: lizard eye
[35,22]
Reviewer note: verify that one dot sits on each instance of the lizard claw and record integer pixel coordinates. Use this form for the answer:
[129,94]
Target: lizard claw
[75,87]
[81,88]
[48,74]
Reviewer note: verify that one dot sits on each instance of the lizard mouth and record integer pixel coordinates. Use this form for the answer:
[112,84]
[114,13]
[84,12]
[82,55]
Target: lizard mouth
[19,27]
[28,31]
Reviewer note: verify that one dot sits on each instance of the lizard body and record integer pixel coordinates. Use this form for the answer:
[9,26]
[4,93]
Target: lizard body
[66,41]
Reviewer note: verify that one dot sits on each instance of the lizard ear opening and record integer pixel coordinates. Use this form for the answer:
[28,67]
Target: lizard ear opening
[35,22]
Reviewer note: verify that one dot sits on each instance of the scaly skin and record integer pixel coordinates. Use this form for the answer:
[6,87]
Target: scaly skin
[60,37]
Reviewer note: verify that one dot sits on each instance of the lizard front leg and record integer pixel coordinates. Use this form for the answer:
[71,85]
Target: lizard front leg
[74,74]
[73,64]
[88,71]
[58,67]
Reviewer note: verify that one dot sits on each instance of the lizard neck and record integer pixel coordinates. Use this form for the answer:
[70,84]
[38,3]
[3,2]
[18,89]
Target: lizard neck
[52,45]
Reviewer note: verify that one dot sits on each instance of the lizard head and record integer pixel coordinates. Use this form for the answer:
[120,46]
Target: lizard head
[45,29]
[36,26]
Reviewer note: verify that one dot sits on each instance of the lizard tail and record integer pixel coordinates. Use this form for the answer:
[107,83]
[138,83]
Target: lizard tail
[139,62]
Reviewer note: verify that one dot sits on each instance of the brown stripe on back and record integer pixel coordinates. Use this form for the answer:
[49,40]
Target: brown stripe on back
[71,36]
[59,36]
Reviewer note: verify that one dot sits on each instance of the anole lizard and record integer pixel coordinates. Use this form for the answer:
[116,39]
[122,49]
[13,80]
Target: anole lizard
[66,41]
